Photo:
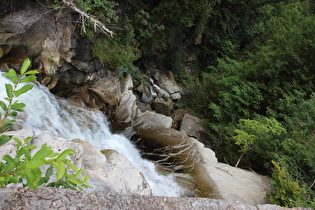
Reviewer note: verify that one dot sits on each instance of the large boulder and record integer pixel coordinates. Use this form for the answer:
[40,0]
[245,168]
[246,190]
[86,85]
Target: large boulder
[191,125]
[108,169]
[124,176]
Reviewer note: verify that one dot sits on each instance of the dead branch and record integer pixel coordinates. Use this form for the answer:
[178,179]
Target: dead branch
[97,24]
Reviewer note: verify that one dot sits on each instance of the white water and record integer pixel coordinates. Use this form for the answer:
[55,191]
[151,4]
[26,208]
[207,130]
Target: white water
[44,112]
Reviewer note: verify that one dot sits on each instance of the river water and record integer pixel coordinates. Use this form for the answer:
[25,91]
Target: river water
[44,112]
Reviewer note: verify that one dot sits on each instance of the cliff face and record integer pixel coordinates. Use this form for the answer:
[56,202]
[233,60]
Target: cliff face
[69,69]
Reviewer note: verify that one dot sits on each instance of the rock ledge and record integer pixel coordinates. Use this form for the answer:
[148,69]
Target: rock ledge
[52,198]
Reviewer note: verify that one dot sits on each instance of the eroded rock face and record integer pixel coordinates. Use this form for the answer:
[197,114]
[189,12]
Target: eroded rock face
[178,152]
[108,169]
[128,113]
[38,34]
[51,198]
[65,60]
[211,178]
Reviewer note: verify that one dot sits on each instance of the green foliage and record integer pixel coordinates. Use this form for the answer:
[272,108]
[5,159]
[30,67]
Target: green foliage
[145,29]
[258,99]
[287,192]
[249,131]
[24,167]
[101,9]
[9,106]
[259,136]
[94,10]
[117,56]
[113,54]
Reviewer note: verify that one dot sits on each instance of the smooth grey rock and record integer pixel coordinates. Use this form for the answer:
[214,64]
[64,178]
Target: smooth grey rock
[110,170]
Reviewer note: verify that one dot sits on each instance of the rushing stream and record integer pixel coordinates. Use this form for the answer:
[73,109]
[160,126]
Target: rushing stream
[44,112]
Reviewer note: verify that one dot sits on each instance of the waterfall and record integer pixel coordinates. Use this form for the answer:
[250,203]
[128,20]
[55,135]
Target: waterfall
[44,112]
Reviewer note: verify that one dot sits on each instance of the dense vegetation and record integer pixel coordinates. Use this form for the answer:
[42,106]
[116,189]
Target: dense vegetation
[252,80]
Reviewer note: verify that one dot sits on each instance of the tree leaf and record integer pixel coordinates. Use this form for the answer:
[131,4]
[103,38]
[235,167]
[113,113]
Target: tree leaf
[47,176]
[28,79]
[37,176]
[31,72]
[23,89]
[43,152]
[28,139]
[13,114]
[12,75]
[48,173]
[61,170]
[26,64]
[3,106]
[35,163]
[26,152]
[18,142]
[7,125]
[73,167]
[65,153]
[17,106]
[9,90]
[29,178]
[10,163]
[4,139]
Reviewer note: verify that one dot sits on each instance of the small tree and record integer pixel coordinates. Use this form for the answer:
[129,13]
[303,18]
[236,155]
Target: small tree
[251,131]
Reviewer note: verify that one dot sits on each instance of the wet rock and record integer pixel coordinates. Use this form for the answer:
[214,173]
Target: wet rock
[211,179]
[42,38]
[145,93]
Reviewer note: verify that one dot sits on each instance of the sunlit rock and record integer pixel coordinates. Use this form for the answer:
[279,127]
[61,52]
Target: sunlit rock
[108,169]
[125,178]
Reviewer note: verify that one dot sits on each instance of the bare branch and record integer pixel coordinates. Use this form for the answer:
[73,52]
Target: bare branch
[97,24]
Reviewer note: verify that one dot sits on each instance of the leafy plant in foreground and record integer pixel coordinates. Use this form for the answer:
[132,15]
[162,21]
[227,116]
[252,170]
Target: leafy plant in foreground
[24,167]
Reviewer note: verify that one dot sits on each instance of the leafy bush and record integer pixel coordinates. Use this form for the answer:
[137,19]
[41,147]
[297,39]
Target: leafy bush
[269,87]
[287,192]
[255,134]
[25,168]
[113,54]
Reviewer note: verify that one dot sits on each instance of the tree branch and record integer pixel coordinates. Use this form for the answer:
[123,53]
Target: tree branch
[97,24]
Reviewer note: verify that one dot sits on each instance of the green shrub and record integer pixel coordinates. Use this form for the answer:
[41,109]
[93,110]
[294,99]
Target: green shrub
[287,191]
[24,168]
